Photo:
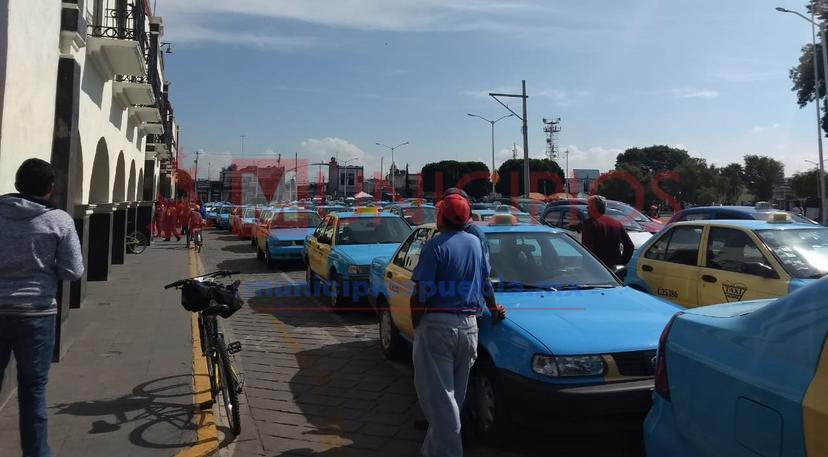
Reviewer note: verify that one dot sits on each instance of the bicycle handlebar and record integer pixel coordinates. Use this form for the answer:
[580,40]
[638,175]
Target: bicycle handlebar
[215,274]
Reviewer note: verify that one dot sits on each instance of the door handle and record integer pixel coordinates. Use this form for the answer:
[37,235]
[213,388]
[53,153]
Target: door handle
[646,268]
[389,275]
[708,278]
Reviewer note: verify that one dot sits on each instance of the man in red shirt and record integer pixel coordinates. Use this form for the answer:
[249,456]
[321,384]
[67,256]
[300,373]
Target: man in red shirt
[604,236]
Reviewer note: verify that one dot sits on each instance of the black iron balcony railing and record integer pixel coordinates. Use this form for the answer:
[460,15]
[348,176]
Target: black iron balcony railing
[120,19]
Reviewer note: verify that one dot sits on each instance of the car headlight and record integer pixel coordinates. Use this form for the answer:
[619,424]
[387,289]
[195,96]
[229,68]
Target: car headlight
[564,366]
[358,269]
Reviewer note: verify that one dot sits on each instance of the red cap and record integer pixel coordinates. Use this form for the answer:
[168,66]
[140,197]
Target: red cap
[454,209]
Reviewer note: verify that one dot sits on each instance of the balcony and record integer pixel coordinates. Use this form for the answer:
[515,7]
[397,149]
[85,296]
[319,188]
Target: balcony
[117,41]
[157,145]
[151,128]
[134,91]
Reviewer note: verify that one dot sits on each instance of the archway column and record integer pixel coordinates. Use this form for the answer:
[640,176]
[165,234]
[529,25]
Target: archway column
[119,232]
[144,212]
[100,241]
[77,291]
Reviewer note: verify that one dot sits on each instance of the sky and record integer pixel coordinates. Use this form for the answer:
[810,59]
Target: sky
[327,77]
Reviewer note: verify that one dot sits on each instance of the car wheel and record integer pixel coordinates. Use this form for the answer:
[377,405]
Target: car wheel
[269,262]
[310,279]
[487,405]
[259,254]
[336,296]
[391,342]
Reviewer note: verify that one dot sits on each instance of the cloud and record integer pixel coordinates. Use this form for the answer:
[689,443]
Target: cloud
[765,128]
[558,96]
[323,149]
[594,157]
[195,33]
[694,93]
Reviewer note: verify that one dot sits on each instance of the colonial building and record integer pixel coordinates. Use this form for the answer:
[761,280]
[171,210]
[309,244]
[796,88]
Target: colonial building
[82,85]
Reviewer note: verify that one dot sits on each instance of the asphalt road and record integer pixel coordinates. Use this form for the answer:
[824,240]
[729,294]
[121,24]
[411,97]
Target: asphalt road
[316,383]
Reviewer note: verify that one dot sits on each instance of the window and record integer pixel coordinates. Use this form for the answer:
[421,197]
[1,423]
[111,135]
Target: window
[733,250]
[409,254]
[320,229]
[327,233]
[553,218]
[684,246]
[679,245]
[371,230]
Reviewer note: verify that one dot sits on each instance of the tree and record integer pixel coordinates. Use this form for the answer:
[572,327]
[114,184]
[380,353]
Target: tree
[732,184]
[761,174]
[624,183]
[652,159]
[472,176]
[546,177]
[804,183]
[802,75]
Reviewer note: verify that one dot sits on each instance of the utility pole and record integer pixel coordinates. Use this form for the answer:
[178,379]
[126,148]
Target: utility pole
[492,122]
[393,168]
[242,143]
[523,98]
[195,178]
[566,177]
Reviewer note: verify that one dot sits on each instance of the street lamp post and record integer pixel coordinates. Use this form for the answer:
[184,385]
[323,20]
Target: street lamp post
[525,130]
[814,25]
[393,178]
[493,144]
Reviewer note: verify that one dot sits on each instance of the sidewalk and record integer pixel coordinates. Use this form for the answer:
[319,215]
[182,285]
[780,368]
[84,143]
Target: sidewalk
[124,387]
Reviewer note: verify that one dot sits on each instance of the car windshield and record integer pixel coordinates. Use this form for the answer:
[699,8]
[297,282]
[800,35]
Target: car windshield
[303,219]
[544,260]
[418,215]
[249,213]
[371,230]
[524,218]
[629,212]
[802,252]
[225,209]
[629,223]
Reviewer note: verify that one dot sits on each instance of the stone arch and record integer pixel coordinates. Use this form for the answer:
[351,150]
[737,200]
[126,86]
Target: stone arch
[99,180]
[76,176]
[130,195]
[119,183]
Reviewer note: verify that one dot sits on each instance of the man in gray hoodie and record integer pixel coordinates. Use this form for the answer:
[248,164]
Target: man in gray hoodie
[40,246]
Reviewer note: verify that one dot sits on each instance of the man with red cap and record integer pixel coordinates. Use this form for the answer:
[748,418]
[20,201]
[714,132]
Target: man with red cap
[451,280]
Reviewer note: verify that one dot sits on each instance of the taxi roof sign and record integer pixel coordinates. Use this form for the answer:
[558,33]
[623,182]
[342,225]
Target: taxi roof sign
[779,218]
[503,219]
[366,210]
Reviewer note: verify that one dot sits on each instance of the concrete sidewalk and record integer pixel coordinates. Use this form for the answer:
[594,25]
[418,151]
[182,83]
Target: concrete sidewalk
[124,387]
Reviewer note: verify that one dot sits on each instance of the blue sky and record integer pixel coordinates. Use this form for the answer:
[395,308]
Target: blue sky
[320,76]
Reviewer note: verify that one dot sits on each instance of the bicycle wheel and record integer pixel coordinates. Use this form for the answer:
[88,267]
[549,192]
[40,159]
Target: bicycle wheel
[207,351]
[136,242]
[229,392]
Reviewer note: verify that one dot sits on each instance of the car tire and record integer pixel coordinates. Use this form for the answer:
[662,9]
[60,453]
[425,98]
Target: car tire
[487,407]
[259,254]
[269,262]
[311,279]
[336,298]
[391,342]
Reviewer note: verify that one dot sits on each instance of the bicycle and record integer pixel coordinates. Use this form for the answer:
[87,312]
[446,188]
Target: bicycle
[136,242]
[198,240]
[209,299]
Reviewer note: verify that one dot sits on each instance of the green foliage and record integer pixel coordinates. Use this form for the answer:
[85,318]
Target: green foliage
[761,173]
[451,172]
[802,75]
[652,159]
[540,168]
[731,183]
[804,184]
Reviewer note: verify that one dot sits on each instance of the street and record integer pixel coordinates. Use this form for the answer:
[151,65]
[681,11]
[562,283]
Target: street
[316,383]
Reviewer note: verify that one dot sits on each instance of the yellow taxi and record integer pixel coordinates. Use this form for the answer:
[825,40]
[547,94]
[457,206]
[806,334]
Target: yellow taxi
[715,261]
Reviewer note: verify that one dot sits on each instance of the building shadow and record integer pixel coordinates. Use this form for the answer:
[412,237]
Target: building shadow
[298,306]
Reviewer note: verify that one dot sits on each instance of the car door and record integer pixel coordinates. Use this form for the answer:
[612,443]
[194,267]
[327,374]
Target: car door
[736,268]
[324,245]
[670,265]
[398,279]
[312,245]
[264,230]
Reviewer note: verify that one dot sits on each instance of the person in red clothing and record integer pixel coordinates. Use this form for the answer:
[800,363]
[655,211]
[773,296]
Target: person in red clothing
[604,236]
[184,219]
[170,221]
[158,220]
[194,223]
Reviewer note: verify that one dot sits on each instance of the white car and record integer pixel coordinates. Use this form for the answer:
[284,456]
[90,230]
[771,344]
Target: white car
[571,217]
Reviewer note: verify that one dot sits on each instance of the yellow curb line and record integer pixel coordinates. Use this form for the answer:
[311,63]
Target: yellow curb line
[206,434]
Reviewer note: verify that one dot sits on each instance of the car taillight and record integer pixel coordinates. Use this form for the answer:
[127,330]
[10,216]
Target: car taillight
[662,384]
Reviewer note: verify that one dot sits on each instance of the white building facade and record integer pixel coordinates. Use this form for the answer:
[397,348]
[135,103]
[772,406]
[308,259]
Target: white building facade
[82,86]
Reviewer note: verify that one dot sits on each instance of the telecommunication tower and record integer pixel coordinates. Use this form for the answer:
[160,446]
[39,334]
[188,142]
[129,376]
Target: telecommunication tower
[552,128]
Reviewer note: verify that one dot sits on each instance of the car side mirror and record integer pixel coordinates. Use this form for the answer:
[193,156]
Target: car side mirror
[620,271]
[759,269]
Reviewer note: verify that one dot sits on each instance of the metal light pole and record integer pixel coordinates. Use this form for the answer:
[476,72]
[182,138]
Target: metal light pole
[493,144]
[393,178]
[814,25]
[523,98]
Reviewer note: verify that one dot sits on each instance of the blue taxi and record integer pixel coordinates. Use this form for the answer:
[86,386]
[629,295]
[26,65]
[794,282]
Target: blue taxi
[705,262]
[744,379]
[283,237]
[415,213]
[212,211]
[339,251]
[576,344]
[223,215]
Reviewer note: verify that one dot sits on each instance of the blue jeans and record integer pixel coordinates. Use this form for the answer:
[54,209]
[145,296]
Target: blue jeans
[32,339]
[445,348]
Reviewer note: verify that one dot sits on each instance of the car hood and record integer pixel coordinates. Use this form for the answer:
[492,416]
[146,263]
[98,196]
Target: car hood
[290,234]
[597,321]
[639,238]
[363,254]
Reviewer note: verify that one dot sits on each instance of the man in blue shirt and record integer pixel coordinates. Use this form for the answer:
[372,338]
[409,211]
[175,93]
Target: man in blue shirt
[451,280]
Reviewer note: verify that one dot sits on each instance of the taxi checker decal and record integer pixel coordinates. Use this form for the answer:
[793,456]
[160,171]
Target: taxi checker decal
[733,291]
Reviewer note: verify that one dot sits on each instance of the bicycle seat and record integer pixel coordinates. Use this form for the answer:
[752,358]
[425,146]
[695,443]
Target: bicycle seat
[215,308]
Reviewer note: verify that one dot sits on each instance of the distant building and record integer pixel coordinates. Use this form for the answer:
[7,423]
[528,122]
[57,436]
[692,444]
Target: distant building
[580,180]
[344,181]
